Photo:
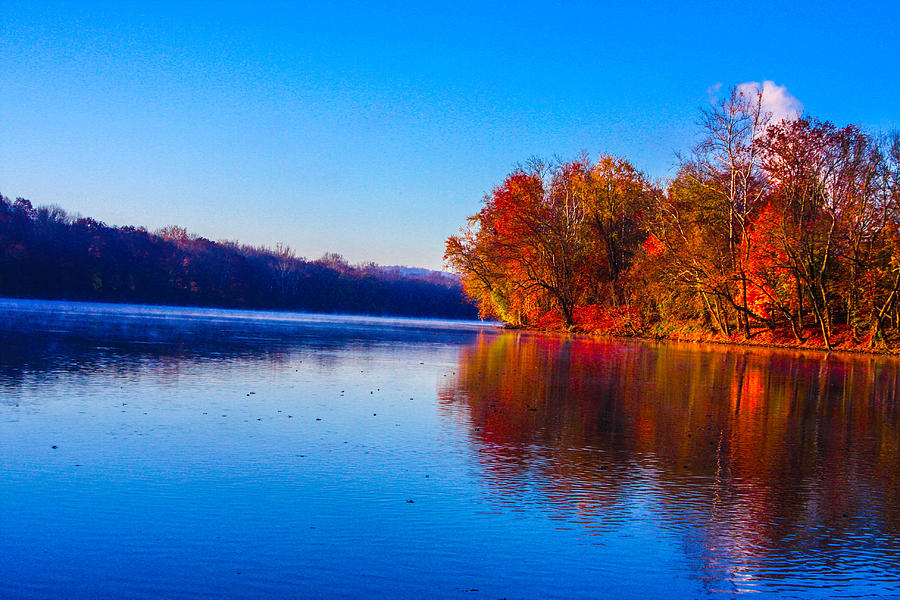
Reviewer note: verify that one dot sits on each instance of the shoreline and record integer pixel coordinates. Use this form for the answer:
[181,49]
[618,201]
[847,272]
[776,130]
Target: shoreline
[698,339]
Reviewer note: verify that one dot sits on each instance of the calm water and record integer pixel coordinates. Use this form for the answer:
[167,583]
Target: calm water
[149,452]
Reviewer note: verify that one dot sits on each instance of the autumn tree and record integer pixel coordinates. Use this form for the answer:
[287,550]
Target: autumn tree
[780,225]
[522,253]
[824,182]
[884,277]
[616,201]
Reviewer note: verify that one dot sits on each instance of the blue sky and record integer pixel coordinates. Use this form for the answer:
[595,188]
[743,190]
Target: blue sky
[374,129]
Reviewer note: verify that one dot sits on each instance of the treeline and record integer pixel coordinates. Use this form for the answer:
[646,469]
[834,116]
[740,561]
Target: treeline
[46,253]
[782,231]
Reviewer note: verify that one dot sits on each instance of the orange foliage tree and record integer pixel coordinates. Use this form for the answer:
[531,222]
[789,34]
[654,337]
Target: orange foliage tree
[790,226]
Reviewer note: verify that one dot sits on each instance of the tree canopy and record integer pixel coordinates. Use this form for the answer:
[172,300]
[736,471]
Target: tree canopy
[46,253]
[779,230]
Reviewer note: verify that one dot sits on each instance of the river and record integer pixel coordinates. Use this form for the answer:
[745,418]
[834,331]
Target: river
[151,452]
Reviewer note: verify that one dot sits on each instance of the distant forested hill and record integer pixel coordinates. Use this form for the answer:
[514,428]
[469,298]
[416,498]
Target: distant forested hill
[46,253]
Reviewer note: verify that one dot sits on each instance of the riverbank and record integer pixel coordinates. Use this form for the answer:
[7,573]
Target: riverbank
[841,342]
[842,338]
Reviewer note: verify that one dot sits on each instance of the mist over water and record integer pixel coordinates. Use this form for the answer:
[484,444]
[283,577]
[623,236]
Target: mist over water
[211,453]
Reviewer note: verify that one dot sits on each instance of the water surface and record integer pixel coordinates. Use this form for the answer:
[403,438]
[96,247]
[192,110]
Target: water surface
[208,453]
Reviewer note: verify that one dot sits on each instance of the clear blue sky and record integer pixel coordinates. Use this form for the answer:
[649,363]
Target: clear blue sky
[374,129]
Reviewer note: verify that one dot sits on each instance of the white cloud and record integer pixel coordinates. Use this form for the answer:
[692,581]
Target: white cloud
[775,99]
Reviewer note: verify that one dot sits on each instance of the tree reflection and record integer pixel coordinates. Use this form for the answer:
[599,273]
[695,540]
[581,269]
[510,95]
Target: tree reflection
[758,459]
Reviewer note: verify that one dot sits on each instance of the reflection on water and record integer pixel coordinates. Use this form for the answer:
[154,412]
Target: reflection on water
[776,470]
[150,452]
